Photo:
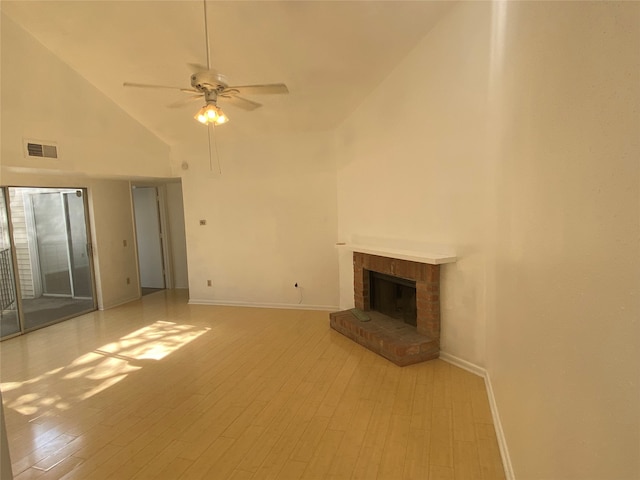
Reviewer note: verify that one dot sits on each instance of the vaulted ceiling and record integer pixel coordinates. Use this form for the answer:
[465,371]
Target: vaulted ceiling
[331,55]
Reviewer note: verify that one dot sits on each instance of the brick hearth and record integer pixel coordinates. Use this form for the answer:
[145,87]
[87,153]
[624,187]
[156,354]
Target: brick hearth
[401,343]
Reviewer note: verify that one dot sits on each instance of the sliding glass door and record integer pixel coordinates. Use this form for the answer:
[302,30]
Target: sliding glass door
[52,254]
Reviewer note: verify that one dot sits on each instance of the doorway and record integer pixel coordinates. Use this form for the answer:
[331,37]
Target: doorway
[46,257]
[150,239]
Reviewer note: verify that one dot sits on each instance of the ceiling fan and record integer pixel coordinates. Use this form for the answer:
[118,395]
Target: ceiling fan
[209,85]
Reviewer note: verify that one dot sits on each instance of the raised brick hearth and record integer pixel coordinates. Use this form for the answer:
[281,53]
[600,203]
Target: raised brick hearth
[395,340]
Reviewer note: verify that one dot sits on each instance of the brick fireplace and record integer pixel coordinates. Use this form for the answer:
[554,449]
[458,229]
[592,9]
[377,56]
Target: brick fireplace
[395,339]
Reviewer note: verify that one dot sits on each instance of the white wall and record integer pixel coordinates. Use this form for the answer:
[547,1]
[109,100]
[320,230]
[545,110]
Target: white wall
[511,134]
[271,221]
[113,233]
[564,336]
[44,99]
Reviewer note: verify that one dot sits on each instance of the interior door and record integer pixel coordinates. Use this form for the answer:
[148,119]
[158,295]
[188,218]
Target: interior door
[149,237]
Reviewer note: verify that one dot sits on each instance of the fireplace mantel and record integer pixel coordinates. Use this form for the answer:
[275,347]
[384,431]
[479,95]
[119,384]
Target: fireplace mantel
[411,255]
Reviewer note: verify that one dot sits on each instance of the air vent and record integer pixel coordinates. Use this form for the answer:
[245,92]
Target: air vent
[40,149]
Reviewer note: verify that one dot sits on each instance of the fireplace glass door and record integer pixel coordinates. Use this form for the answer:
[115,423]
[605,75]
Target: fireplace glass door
[393,296]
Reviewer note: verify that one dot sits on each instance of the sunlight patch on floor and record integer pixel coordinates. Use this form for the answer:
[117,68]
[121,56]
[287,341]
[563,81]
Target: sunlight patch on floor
[155,341]
[106,365]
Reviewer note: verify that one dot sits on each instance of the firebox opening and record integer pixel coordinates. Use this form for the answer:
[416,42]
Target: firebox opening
[393,296]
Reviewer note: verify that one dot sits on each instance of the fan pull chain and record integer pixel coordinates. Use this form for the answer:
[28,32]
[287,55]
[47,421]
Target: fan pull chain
[215,144]
[211,128]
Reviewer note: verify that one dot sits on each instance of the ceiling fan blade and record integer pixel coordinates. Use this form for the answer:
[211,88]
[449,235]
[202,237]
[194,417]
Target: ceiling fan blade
[185,101]
[240,102]
[145,85]
[197,68]
[268,89]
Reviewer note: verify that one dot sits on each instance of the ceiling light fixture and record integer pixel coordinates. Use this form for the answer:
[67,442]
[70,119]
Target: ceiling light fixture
[211,113]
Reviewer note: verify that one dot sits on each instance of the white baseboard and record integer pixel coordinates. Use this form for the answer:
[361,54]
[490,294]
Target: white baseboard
[463,364]
[287,306]
[502,442]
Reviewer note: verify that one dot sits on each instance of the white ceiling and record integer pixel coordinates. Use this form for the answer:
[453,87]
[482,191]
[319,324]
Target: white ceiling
[331,54]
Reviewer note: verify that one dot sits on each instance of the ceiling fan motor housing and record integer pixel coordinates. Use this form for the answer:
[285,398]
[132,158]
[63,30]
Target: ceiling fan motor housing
[208,81]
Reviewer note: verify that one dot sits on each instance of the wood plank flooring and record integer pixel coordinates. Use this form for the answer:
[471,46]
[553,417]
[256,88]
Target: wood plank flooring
[161,389]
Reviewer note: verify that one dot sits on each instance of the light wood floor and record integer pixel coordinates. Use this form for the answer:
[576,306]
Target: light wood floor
[161,389]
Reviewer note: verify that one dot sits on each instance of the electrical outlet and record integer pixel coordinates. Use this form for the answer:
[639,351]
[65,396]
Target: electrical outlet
[208,283]
[203,222]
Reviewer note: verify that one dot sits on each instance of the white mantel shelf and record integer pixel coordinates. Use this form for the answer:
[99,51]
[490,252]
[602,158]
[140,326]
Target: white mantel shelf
[413,256]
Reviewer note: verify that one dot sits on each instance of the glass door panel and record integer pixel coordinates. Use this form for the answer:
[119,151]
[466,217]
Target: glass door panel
[78,244]
[9,321]
[53,243]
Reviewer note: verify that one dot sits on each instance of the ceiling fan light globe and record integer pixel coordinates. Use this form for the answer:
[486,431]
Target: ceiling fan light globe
[211,113]
[202,118]
[222,118]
